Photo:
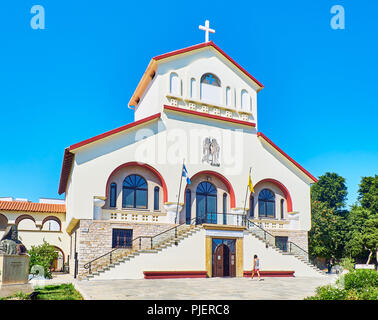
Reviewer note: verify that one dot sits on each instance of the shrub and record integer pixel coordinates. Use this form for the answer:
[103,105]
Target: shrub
[43,255]
[347,263]
[361,279]
[328,293]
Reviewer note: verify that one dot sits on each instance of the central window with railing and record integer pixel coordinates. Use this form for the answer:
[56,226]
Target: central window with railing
[206,197]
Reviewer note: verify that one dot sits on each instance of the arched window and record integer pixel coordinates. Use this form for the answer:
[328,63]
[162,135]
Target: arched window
[266,204]
[211,90]
[193,88]
[245,101]
[206,196]
[282,208]
[224,208]
[3,222]
[134,192]
[113,195]
[228,97]
[174,84]
[156,198]
[188,206]
[251,206]
[51,223]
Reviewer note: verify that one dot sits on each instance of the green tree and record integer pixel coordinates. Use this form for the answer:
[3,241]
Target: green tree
[362,233]
[43,255]
[327,234]
[368,193]
[331,190]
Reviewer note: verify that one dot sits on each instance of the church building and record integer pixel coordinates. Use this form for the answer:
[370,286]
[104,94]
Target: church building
[168,196]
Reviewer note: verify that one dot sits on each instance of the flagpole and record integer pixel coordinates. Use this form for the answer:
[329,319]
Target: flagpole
[246,192]
[178,199]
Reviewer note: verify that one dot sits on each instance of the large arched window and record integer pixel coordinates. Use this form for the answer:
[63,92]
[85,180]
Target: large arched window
[211,90]
[174,85]
[113,195]
[206,197]
[266,204]
[134,192]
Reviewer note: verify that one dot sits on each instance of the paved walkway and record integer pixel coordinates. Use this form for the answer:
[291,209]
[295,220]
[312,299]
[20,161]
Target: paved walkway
[202,289]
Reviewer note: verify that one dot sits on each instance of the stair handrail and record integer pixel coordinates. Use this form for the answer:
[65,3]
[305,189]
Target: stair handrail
[290,243]
[88,265]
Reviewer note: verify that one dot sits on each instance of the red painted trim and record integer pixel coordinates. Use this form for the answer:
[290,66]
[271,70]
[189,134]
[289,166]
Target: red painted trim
[211,116]
[143,165]
[248,274]
[114,131]
[207,44]
[65,171]
[69,156]
[174,274]
[221,178]
[260,134]
[283,189]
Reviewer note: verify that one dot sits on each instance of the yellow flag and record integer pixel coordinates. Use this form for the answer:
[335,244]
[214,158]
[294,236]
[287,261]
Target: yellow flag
[250,184]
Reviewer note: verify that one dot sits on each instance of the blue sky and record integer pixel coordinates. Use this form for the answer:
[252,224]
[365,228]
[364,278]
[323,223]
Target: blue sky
[73,80]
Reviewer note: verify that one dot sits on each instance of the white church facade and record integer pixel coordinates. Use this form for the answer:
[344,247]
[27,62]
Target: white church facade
[131,214]
[167,195]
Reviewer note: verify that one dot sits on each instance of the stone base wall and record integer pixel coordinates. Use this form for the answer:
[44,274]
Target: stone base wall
[300,238]
[95,237]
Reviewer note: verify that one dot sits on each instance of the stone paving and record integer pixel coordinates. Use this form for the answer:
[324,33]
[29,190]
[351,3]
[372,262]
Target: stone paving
[202,289]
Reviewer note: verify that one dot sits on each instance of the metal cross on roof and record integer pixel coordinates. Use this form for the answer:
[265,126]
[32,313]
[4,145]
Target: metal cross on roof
[207,29]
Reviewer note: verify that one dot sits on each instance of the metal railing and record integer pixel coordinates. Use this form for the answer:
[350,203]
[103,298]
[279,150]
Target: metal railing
[152,242]
[232,219]
[138,244]
[291,247]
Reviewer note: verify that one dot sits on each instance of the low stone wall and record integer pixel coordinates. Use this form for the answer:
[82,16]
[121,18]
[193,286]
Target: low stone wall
[95,237]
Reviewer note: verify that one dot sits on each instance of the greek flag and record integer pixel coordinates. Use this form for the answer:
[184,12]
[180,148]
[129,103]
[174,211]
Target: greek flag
[185,174]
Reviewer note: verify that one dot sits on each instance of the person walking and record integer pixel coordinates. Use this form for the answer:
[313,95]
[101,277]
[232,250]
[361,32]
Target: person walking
[256,267]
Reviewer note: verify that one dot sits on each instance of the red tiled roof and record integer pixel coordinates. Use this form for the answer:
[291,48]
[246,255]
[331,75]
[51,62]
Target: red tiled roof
[32,207]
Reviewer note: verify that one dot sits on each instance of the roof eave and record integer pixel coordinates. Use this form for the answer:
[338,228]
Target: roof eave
[291,160]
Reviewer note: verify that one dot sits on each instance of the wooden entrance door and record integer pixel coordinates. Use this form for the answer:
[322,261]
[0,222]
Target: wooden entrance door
[224,262]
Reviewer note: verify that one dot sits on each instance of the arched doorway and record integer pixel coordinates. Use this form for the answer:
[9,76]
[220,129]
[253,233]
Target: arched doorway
[223,261]
[206,198]
[58,263]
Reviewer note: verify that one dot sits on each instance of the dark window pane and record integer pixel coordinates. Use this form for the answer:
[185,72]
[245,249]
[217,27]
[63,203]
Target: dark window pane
[113,195]
[128,198]
[252,207]
[141,198]
[122,238]
[156,198]
[188,206]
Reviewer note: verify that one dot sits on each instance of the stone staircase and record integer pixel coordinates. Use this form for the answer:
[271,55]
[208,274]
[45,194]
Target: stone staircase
[271,242]
[123,256]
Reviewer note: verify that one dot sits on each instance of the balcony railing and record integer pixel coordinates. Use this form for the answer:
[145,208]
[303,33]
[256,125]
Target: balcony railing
[222,218]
